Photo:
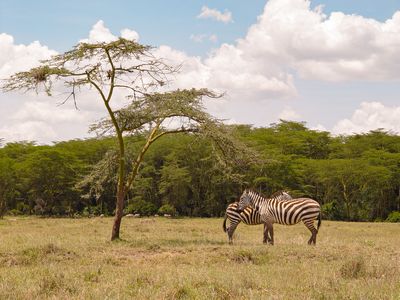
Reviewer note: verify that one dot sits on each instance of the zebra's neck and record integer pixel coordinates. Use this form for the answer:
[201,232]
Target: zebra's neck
[257,200]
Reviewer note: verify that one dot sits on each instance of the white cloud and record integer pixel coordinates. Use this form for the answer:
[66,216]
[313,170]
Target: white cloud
[41,111]
[289,114]
[370,116]
[215,14]
[99,33]
[29,131]
[319,127]
[194,73]
[129,34]
[232,69]
[330,48]
[16,58]
[199,38]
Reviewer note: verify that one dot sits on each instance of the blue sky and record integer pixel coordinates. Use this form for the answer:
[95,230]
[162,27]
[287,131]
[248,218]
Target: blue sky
[335,68]
[159,22]
[60,24]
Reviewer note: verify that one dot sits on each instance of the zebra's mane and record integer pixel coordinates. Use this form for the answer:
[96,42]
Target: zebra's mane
[277,195]
[255,194]
[257,199]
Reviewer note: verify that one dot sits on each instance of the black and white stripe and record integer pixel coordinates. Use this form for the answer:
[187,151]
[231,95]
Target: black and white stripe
[286,212]
[248,216]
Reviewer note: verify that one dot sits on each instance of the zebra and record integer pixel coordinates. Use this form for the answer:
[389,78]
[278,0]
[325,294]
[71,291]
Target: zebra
[286,212]
[248,216]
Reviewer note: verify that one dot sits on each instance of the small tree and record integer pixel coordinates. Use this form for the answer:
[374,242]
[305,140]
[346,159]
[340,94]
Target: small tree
[124,68]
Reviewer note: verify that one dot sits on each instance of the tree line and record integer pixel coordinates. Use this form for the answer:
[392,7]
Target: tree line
[355,177]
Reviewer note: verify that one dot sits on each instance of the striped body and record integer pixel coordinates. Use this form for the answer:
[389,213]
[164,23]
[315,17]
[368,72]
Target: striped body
[286,212]
[248,216]
[290,212]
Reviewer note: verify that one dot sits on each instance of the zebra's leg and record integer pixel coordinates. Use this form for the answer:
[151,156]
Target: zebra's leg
[267,232]
[266,239]
[271,232]
[310,225]
[231,229]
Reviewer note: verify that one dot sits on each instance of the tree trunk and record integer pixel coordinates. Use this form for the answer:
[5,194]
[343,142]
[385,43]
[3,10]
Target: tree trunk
[121,190]
[124,184]
[118,213]
[346,200]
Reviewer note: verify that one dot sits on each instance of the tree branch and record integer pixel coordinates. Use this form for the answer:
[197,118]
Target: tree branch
[140,156]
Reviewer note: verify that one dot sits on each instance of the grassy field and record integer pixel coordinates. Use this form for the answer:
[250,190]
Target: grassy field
[162,258]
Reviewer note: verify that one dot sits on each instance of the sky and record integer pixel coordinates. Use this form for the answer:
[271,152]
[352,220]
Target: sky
[330,63]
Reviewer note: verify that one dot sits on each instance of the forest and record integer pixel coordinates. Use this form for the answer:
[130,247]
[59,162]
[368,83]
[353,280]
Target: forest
[355,177]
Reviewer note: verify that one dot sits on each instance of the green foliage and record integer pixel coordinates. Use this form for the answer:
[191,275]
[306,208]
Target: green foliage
[394,217]
[140,206]
[353,178]
[49,176]
[167,209]
[7,183]
[331,211]
[14,212]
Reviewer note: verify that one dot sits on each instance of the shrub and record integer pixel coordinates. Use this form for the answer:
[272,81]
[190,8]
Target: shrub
[14,212]
[394,217]
[167,209]
[331,211]
[86,212]
[58,210]
[142,207]
[96,210]
[22,207]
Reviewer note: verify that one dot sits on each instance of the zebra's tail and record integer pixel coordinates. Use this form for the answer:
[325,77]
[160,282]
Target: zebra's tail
[224,224]
[319,221]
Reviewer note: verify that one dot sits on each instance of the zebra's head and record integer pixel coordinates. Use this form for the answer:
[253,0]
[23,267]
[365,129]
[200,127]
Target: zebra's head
[244,201]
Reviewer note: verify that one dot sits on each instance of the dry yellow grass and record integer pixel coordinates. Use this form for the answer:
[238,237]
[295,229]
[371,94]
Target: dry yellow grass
[162,258]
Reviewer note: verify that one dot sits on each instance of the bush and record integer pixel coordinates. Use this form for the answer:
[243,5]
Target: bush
[141,207]
[394,217]
[14,212]
[96,210]
[58,210]
[90,211]
[167,209]
[331,211]
[86,212]
[22,207]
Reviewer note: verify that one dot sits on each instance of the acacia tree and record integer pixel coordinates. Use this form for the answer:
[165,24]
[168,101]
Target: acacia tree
[125,68]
